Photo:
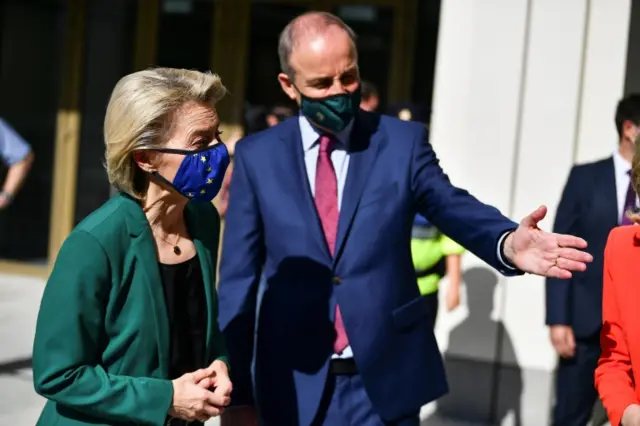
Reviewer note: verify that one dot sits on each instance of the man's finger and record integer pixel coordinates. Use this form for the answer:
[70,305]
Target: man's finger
[573,254]
[570,265]
[569,345]
[559,347]
[556,272]
[564,350]
[571,241]
[535,217]
[571,342]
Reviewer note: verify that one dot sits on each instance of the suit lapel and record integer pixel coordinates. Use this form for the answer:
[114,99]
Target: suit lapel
[610,193]
[363,150]
[145,253]
[294,155]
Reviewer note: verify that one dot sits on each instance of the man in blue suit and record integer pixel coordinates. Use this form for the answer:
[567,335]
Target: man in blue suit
[594,201]
[326,201]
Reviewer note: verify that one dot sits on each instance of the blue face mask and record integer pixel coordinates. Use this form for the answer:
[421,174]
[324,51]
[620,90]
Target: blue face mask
[201,172]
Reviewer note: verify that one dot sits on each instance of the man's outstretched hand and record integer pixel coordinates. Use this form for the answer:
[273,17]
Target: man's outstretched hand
[535,251]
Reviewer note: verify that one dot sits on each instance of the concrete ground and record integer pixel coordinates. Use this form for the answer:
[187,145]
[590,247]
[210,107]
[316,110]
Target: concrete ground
[19,404]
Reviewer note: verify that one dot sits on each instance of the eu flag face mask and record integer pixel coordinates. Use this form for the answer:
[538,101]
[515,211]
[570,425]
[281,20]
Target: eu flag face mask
[201,172]
[334,112]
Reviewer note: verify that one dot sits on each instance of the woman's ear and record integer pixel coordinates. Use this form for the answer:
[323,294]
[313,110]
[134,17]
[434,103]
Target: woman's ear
[142,159]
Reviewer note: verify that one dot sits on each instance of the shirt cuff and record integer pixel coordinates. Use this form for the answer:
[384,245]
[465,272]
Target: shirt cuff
[500,254]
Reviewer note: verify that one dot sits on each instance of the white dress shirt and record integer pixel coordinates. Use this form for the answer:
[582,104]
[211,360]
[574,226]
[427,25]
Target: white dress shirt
[621,169]
[340,161]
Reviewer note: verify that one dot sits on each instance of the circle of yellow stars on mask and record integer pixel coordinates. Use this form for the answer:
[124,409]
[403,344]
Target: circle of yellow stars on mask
[209,181]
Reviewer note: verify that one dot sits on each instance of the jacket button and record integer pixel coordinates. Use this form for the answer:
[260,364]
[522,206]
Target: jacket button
[336,280]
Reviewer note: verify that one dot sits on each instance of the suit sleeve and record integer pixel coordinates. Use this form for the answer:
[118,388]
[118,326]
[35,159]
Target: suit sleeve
[70,336]
[474,225]
[240,269]
[558,290]
[613,376]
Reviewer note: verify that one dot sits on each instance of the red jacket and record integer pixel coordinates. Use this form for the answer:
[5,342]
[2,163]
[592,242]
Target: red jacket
[618,369]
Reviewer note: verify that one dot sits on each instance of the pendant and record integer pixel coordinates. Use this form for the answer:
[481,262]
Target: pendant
[177,250]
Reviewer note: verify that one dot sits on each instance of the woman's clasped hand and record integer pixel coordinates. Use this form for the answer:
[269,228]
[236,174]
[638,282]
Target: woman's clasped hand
[202,394]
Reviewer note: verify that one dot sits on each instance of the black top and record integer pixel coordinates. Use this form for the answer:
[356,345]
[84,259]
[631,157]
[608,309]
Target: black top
[187,309]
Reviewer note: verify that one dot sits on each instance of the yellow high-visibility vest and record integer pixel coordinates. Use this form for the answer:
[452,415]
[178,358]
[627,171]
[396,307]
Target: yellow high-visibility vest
[429,251]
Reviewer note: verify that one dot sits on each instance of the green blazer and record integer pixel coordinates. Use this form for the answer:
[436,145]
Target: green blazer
[101,350]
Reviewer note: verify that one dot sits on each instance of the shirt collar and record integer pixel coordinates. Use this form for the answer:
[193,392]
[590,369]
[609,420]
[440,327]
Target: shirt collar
[310,135]
[620,164]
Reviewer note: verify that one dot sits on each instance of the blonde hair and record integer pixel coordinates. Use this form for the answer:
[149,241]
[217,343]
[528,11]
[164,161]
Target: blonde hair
[139,115]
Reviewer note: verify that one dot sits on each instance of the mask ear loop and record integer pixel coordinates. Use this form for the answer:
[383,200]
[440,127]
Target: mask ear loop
[158,176]
[164,180]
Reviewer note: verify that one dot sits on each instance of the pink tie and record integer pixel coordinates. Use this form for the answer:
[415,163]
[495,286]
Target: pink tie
[327,207]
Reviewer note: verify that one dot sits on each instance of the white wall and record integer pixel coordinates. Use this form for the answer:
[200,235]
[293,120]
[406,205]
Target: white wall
[524,89]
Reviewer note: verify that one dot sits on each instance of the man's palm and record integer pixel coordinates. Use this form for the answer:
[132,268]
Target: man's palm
[538,252]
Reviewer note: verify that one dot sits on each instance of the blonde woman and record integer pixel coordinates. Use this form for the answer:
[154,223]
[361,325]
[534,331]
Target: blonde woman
[127,331]
[618,372]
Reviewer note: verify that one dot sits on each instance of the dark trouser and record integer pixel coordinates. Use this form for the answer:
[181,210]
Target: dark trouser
[345,403]
[575,391]
[432,300]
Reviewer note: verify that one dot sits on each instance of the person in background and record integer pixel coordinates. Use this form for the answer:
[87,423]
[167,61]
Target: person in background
[16,153]
[410,111]
[370,99]
[278,114]
[255,119]
[595,200]
[434,256]
[127,331]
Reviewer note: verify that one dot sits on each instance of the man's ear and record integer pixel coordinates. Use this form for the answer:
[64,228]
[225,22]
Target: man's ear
[628,129]
[142,159]
[287,86]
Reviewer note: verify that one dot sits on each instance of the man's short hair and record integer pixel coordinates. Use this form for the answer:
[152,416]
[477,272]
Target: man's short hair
[628,110]
[368,90]
[290,34]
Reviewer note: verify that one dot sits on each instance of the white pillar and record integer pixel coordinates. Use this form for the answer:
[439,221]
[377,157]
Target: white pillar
[604,77]
[523,89]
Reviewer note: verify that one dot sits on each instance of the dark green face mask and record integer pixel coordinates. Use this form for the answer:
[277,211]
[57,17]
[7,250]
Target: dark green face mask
[333,112]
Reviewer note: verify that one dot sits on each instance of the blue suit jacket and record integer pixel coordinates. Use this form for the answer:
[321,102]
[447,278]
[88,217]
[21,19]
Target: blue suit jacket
[588,209]
[393,173]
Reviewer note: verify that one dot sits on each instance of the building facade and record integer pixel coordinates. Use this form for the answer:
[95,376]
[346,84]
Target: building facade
[59,61]
[523,90]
